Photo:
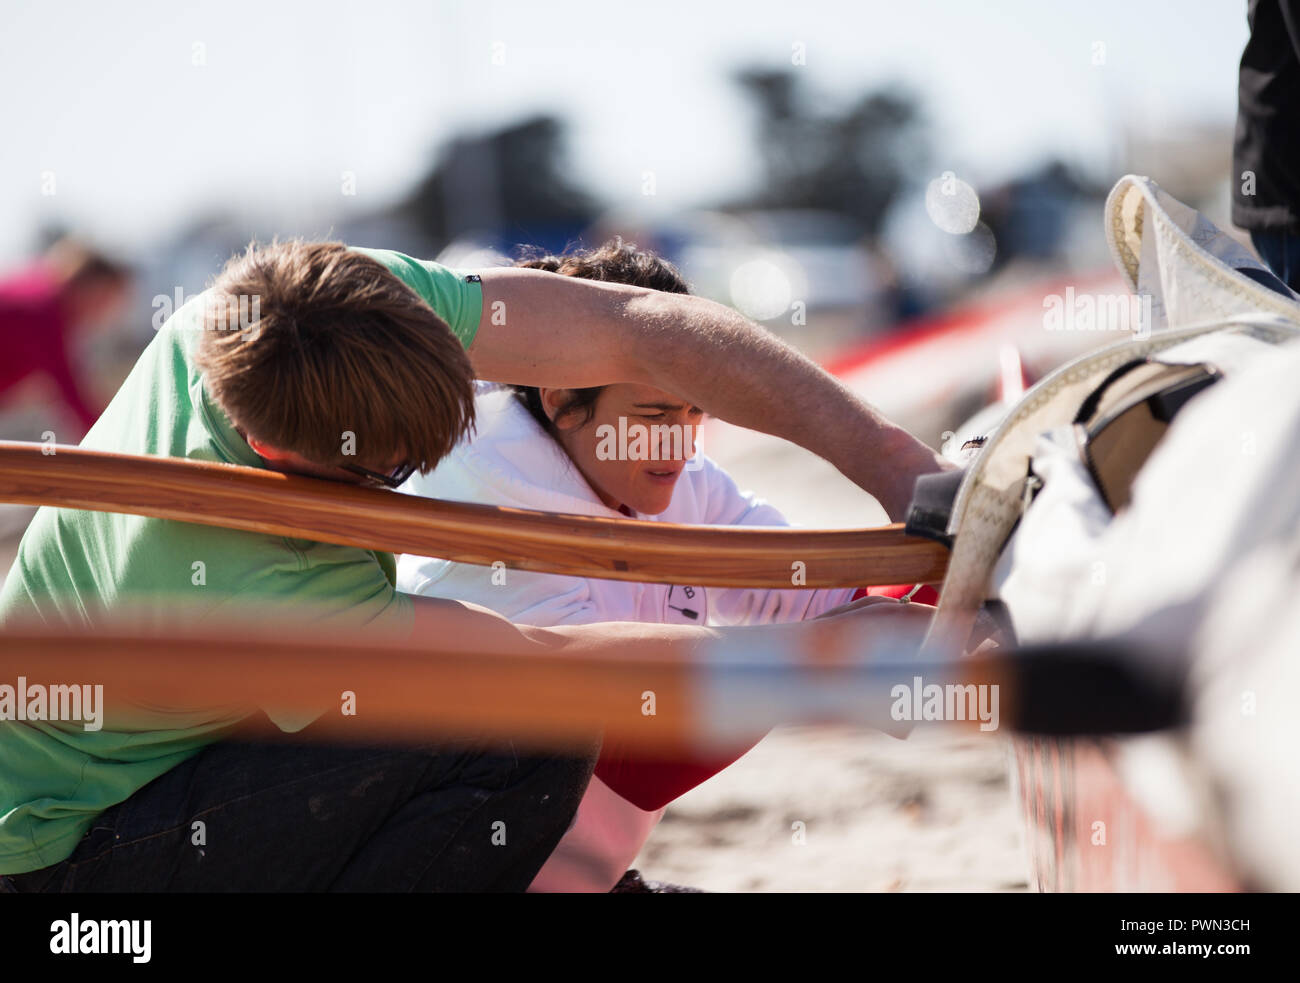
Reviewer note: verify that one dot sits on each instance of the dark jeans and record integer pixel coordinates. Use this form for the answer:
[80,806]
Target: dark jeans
[1281,251]
[281,816]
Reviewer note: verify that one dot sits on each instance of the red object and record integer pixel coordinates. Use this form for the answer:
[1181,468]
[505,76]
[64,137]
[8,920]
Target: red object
[926,595]
[650,783]
[33,338]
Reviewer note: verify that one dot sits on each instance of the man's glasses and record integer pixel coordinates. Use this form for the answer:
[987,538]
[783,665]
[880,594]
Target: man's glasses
[393,479]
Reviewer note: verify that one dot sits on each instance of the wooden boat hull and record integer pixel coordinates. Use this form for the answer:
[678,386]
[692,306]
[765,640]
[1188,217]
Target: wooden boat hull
[1085,831]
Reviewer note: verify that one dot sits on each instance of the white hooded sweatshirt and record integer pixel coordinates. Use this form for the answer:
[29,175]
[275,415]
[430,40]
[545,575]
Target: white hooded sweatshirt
[512,461]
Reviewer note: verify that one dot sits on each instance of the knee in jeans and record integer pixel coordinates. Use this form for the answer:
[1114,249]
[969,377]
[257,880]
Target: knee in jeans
[569,776]
[563,770]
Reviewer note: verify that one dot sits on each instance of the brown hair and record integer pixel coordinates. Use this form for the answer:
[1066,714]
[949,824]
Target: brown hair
[612,262]
[337,344]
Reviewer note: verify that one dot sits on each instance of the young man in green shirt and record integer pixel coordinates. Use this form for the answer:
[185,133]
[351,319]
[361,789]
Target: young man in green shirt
[354,365]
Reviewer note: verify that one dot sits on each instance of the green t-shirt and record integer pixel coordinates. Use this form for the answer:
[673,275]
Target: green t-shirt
[72,566]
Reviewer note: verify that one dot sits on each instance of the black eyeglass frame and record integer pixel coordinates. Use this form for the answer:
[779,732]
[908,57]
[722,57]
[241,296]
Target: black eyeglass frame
[394,479]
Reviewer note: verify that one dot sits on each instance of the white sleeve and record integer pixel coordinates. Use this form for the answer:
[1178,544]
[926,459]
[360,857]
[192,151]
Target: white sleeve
[522,596]
[526,598]
[726,505]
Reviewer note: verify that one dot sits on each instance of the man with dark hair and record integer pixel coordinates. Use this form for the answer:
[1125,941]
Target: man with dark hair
[356,365]
[611,262]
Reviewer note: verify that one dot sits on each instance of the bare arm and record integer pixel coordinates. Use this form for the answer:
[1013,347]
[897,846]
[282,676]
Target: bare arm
[456,624]
[543,329]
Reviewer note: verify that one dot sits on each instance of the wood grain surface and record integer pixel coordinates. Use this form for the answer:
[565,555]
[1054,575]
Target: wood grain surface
[257,500]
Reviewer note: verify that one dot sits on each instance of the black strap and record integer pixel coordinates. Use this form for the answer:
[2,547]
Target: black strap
[1089,406]
[931,506]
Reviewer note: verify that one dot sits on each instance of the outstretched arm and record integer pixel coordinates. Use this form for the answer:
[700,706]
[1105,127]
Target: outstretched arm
[875,621]
[544,329]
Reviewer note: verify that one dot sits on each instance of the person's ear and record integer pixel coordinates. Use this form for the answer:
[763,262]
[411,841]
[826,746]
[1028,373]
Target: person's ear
[553,400]
[264,450]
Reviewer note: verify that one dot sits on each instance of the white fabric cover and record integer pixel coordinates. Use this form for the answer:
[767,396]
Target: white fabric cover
[1204,566]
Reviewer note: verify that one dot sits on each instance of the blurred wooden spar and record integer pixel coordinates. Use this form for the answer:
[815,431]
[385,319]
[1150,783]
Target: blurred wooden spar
[358,690]
[257,500]
[397,692]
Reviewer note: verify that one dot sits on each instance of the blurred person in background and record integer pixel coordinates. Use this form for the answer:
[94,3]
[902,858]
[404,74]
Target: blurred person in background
[46,308]
[1266,151]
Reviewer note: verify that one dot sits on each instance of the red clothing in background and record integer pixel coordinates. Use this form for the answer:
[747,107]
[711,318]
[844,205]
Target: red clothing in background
[33,338]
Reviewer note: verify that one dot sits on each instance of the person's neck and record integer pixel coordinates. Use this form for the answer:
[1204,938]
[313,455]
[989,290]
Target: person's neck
[609,501]
[606,499]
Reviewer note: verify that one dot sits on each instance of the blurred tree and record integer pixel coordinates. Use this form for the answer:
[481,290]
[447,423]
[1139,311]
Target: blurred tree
[508,184]
[856,162]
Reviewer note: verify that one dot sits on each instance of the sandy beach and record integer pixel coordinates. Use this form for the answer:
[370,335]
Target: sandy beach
[932,813]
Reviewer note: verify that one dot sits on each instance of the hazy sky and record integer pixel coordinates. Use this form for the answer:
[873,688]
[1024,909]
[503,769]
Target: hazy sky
[144,114]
